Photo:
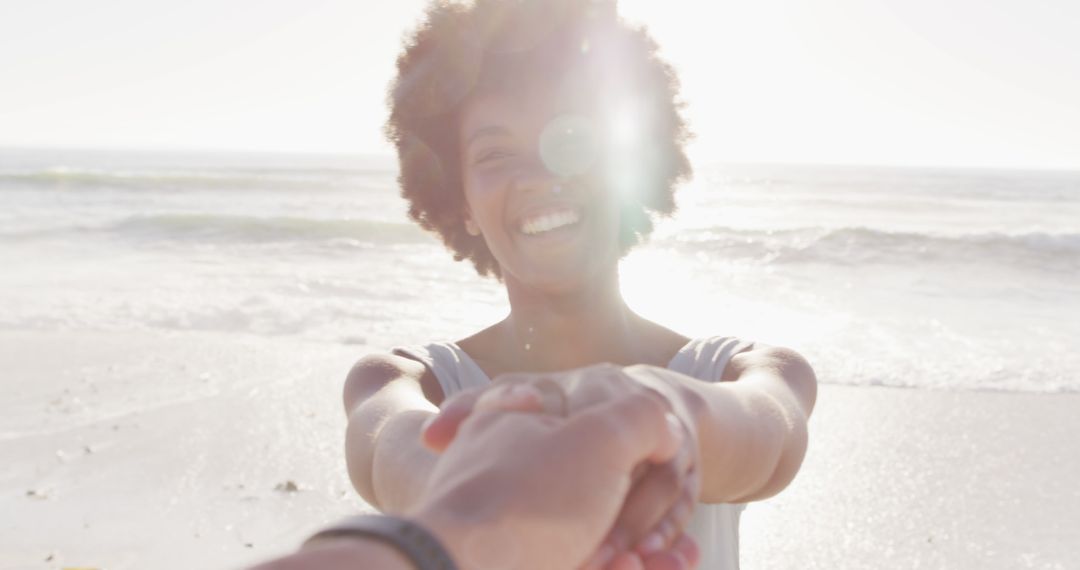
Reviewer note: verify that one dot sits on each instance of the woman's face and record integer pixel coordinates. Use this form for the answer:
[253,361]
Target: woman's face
[530,172]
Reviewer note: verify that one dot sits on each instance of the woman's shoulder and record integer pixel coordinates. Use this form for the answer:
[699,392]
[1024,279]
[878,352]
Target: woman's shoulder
[665,343]
[711,358]
[413,361]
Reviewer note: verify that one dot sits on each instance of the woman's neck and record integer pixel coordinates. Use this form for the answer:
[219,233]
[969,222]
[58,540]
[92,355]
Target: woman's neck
[549,332]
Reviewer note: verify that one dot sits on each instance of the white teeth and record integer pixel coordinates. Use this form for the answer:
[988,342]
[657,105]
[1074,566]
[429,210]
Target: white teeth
[548,222]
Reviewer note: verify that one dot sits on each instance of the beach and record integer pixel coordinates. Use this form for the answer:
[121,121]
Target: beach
[211,211]
[175,331]
[177,450]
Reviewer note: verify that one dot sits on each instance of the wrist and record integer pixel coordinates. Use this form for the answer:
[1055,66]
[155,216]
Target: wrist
[400,465]
[352,552]
[686,403]
[474,538]
[375,536]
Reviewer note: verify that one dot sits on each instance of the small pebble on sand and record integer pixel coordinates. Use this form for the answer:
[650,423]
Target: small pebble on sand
[287,487]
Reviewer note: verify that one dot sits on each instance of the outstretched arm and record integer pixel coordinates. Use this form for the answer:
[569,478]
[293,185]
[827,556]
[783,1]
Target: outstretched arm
[386,407]
[753,429]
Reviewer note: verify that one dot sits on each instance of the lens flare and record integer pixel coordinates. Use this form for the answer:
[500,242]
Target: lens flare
[569,145]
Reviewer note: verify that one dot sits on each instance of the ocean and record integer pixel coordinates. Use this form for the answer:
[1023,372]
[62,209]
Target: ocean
[917,278]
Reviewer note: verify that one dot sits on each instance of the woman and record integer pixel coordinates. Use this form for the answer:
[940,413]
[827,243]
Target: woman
[536,138]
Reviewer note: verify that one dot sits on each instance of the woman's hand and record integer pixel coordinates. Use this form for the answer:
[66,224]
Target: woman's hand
[648,530]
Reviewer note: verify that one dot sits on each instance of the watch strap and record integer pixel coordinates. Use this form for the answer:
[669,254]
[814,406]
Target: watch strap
[409,538]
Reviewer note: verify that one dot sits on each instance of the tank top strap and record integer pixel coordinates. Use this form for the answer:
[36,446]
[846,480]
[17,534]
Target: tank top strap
[453,367]
[706,358]
[715,527]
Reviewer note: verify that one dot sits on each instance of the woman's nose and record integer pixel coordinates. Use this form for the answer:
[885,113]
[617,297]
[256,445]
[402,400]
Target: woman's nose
[536,178]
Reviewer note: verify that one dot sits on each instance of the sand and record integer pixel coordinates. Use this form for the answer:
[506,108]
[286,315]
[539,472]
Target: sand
[196,450]
[900,478]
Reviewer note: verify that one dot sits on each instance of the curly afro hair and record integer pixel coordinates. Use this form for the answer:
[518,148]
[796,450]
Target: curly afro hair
[576,48]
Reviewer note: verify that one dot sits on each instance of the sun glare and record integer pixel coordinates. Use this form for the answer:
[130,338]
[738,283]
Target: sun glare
[625,123]
[662,286]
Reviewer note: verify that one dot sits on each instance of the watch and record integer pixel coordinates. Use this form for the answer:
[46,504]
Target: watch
[409,538]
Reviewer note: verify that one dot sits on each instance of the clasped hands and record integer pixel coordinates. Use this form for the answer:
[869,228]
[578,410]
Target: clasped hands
[648,531]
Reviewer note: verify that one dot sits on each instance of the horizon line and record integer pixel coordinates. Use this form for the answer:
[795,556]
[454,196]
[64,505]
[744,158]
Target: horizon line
[343,154]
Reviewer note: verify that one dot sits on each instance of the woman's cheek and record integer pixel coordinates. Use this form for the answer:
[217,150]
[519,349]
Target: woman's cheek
[485,206]
[488,181]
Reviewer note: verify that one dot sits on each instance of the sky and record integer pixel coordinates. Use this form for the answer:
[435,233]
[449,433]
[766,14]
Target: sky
[978,83]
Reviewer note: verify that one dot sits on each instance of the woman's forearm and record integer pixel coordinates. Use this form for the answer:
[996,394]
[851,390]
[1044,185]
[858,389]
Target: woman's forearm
[401,463]
[752,432]
[753,438]
[387,463]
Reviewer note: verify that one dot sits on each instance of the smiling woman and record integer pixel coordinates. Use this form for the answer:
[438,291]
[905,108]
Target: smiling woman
[537,139]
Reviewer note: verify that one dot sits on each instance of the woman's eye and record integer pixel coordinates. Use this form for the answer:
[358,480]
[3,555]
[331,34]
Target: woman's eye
[491,155]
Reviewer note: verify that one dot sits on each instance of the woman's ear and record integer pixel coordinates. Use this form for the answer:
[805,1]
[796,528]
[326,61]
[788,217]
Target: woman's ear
[470,225]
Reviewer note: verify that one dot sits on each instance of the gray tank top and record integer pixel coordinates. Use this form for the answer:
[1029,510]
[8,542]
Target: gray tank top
[715,527]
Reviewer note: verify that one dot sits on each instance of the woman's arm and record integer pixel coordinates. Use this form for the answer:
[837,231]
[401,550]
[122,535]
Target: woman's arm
[386,407]
[752,430]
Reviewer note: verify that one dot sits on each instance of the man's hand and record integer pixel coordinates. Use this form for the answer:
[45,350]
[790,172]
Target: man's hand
[529,491]
[648,529]
[539,490]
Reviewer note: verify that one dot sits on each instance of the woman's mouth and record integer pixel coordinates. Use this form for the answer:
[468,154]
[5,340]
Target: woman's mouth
[549,221]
